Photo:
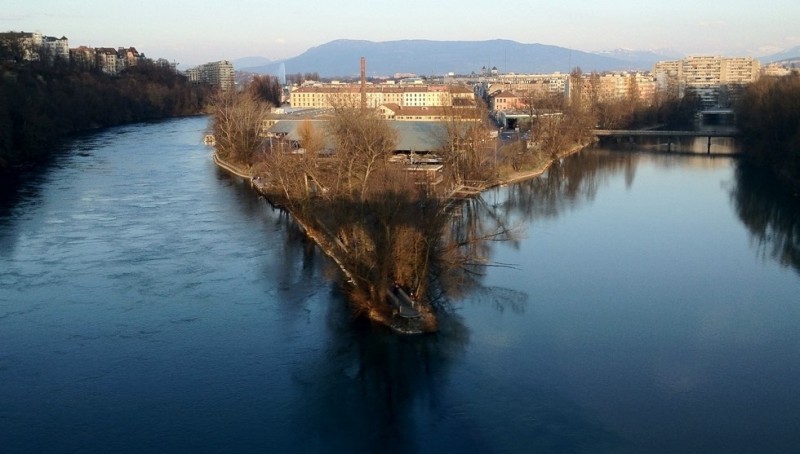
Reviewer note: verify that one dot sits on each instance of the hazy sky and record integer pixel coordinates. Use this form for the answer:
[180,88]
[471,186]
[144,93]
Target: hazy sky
[197,31]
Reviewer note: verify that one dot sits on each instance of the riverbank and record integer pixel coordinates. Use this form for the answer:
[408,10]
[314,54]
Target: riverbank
[511,178]
[517,177]
[35,98]
[230,167]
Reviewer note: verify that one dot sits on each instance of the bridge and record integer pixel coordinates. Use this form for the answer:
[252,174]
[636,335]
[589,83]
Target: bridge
[727,132]
[669,136]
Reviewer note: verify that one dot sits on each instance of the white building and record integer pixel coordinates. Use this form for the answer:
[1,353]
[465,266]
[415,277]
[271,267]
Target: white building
[218,74]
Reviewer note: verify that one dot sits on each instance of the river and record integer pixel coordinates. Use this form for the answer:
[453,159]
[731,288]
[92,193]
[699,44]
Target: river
[151,303]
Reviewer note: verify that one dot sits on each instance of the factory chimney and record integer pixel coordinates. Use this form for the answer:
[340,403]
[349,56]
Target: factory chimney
[363,83]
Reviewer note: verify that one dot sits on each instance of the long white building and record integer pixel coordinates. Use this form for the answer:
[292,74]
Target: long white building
[323,96]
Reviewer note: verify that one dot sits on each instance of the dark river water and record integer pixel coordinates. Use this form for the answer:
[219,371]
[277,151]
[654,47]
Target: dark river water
[151,303]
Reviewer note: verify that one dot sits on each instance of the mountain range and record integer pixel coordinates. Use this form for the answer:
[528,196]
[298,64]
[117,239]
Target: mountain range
[791,54]
[341,58]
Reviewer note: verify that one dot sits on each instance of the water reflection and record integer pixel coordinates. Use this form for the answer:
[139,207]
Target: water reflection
[770,213]
[566,185]
[505,214]
[474,228]
[363,391]
[678,145]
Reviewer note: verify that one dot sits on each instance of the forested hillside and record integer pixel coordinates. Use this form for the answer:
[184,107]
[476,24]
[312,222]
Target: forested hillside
[40,104]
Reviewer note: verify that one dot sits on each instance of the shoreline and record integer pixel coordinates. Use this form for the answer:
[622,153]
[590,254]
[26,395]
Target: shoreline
[517,177]
[512,178]
[232,168]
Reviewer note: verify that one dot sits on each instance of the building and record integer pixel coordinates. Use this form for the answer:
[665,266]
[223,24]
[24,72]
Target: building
[56,48]
[127,57]
[421,137]
[164,63]
[325,96]
[24,46]
[613,86]
[83,57]
[776,69]
[217,74]
[537,85]
[435,113]
[512,93]
[106,60]
[716,80]
[505,100]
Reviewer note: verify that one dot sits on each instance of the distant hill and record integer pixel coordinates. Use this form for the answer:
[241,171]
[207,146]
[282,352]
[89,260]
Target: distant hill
[641,57]
[341,58]
[248,62]
[791,54]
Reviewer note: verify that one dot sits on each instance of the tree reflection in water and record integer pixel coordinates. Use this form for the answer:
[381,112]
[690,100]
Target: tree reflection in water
[370,390]
[770,213]
[567,184]
[361,392]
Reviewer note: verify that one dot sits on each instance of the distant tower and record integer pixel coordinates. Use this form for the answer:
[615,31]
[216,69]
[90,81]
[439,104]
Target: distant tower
[363,83]
[282,73]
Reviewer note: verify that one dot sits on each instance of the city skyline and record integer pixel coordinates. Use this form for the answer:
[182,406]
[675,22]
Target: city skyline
[196,32]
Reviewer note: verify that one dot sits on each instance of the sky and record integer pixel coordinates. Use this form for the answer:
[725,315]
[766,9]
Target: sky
[192,32]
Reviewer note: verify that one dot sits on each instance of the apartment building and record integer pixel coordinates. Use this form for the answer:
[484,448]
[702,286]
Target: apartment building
[106,59]
[56,48]
[514,92]
[714,79]
[740,71]
[537,85]
[218,74]
[601,87]
[776,70]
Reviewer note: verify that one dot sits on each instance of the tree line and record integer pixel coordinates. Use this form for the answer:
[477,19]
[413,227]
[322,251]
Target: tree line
[768,115]
[41,102]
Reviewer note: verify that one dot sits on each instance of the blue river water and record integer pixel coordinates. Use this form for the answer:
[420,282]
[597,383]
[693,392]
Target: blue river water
[149,302]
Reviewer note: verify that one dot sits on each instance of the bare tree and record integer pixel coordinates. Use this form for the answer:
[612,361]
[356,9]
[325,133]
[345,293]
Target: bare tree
[266,88]
[312,139]
[237,121]
[465,144]
[548,129]
[364,142]
[312,143]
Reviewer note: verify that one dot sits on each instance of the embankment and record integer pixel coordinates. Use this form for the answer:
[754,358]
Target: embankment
[533,173]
